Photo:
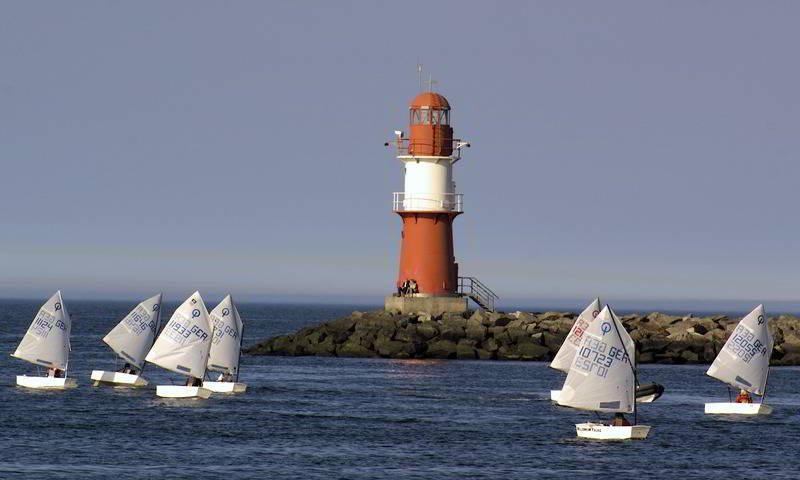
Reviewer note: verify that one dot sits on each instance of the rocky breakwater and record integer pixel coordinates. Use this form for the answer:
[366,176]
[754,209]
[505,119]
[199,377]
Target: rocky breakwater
[659,338]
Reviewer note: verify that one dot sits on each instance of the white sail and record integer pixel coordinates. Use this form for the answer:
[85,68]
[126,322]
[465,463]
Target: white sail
[46,342]
[226,341]
[566,353]
[183,345]
[744,360]
[133,336]
[601,377]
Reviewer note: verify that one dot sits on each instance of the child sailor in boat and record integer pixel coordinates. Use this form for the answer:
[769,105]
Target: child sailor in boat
[744,397]
[619,420]
[128,368]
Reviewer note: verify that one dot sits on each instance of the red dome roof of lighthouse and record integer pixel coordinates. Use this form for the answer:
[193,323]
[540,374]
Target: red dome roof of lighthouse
[430,99]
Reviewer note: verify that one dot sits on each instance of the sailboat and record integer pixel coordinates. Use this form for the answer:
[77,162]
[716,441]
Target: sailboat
[744,363]
[182,347]
[46,344]
[226,346]
[566,354]
[602,378]
[130,340]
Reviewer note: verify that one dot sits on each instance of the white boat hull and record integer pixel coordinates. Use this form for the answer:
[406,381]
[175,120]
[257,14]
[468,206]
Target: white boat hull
[225,387]
[181,391]
[599,431]
[117,379]
[733,408]
[645,399]
[46,382]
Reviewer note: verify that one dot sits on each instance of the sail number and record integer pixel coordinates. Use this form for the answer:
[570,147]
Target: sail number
[221,331]
[745,345]
[43,323]
[180,329]
[577,332]
[140,321]
[595,356]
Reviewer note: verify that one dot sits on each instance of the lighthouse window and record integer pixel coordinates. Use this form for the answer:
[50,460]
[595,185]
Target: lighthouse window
[440,117]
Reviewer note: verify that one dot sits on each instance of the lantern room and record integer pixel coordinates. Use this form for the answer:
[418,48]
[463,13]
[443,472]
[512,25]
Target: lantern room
[429,125]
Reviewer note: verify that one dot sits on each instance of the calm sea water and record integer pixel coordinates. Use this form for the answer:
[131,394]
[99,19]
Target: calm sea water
[338,418]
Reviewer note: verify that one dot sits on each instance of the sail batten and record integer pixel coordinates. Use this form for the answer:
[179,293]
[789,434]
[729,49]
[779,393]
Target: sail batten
[565,355]
[133,336]
[601,377]
[46,341]
[743,361]
[227,339]
[183,345]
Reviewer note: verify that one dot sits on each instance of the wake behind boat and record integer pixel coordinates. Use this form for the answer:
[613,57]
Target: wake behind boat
[743,363]
[46,344]
[226,347]
[130,339]
[602,378]
[182,347]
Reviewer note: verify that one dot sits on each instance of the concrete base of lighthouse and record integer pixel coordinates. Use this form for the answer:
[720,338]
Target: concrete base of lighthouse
[428,303]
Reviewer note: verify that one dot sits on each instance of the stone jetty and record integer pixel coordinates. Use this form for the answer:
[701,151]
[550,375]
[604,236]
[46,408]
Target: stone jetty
[659,338]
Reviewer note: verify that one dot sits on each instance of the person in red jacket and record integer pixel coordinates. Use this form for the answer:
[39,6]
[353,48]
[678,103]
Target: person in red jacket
[743,397]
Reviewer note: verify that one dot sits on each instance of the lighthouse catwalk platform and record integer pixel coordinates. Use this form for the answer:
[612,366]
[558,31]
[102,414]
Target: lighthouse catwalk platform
[427,279]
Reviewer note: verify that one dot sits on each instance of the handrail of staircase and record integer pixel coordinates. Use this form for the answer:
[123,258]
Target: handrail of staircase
[474,287]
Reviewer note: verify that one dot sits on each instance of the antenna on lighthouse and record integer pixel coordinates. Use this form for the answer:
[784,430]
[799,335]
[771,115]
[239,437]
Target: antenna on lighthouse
[431,82]
[419,73]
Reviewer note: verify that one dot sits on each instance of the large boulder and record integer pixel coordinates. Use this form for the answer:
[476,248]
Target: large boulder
[532,351]
[465,350]
[441,349]
[476,331]
[353,349]
[395,349]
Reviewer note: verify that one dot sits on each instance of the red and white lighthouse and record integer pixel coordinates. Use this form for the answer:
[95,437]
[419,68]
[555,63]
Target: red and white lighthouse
[428,278]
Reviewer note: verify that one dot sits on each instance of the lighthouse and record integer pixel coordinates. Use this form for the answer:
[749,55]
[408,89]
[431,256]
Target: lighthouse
[428,277]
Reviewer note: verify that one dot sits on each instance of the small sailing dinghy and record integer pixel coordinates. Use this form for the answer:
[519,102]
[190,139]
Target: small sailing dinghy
[566,354]
[46,344]
[744,363]
[602,378]
[226,346]
[182,347]
[130,340]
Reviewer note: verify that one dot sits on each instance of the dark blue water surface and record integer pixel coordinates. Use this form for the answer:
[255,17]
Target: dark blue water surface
[339,418]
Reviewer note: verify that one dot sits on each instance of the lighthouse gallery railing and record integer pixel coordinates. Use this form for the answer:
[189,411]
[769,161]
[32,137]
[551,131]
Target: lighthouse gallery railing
[452,202]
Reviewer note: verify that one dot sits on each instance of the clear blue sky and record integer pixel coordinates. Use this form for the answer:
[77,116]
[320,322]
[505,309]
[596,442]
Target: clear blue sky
[633,150]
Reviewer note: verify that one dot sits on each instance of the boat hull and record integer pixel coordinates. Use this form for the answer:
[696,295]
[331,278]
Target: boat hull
[180,391]
[225,387]
[599,431]
[53,383]
[117,379]
[732,408]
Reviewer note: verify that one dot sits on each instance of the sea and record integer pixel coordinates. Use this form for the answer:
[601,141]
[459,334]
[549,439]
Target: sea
[344,418]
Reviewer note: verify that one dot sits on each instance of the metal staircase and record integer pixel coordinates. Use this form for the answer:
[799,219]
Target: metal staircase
[478,292]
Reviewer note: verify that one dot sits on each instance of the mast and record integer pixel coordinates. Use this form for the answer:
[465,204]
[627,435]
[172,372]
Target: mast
[631,360]
[241,336]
